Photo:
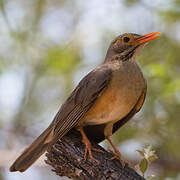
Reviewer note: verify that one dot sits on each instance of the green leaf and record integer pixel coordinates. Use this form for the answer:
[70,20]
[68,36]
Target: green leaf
[137,167]
[152,158]
[173,86]
[158,70]
[62,60]
[141,153]
[131,3]
[143,166]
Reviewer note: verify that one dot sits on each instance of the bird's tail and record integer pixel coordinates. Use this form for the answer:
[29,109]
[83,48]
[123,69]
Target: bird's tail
[34,151]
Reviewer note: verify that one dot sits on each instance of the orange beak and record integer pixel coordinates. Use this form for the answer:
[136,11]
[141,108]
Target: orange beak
[147,37]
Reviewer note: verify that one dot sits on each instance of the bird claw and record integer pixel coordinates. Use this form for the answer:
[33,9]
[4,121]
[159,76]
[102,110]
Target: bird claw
[88,146]
[117,155]
[88,150]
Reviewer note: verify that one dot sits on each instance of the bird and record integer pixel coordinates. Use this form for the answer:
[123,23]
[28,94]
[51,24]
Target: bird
[103,101]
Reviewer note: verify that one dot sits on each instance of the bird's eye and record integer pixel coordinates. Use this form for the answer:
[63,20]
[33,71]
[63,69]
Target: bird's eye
[126,39]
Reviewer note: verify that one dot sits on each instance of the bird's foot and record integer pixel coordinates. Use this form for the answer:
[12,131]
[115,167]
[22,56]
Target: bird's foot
[88,146]
[117,155]
[88,150]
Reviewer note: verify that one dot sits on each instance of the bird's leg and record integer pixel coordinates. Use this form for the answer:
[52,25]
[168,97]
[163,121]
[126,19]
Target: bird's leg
[88,148]
[107,133]
[116,153]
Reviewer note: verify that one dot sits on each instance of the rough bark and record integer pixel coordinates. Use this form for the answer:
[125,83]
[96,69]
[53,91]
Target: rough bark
[67,159]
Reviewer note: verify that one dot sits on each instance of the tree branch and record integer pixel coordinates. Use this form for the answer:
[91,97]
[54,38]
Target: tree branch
[67,159]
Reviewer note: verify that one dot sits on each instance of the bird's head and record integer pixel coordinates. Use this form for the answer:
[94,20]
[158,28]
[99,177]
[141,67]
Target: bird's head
[127,46]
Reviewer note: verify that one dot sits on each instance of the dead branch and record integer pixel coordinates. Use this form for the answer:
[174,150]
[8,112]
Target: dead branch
[67,159]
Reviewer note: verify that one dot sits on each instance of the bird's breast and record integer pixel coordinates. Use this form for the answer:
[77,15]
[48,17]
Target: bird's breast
[119,97]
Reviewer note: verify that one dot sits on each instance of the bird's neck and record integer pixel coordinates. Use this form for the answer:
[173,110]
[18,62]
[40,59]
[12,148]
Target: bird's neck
[114,56]
[109,55]
[117,57]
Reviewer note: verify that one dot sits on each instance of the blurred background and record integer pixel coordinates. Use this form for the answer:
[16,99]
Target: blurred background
[47,46]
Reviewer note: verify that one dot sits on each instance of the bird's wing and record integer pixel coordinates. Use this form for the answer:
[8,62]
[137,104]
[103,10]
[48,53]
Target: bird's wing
[80,101]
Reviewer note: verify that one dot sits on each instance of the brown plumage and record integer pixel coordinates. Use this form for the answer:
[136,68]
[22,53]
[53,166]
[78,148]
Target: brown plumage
[104,100]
